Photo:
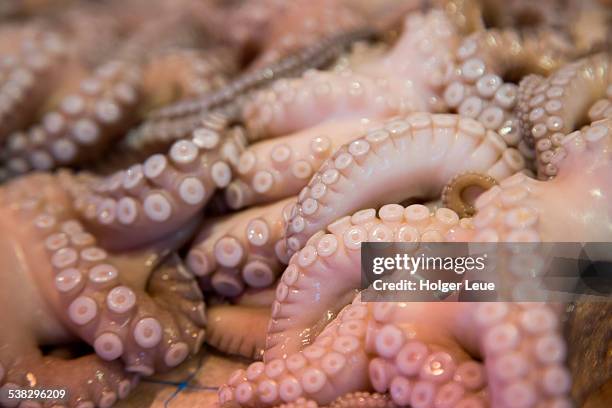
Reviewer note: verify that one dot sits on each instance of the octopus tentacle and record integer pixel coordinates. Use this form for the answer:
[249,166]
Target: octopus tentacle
[113,316]
[176,75]
[27,75]
[562,103]
[240,250]
[396,152]
[452,195]
[358,399]
[482,88]
[148,200]
[368,346]
[85,119]
[281,167]
[381,89]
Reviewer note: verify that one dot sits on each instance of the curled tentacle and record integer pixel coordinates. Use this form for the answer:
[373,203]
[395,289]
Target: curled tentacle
[519,209]
[484,86]
[306,360]
[426,149]
[336,251]
[575,95]
[453,193]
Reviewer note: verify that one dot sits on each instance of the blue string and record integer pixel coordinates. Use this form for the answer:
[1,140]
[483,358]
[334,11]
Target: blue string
[184,384]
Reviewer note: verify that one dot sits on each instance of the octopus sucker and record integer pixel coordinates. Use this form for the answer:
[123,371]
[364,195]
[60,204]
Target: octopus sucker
[97,99]
[189,189]
[30,65]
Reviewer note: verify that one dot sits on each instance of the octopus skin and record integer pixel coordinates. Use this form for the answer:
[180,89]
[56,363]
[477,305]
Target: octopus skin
[395,347]
[118,302]
[417,154]
[247,339]
[551,107]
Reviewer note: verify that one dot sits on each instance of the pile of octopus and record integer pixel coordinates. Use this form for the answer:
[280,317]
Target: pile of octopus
[186,187]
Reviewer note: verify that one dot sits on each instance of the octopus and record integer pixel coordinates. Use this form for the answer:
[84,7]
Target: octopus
[182,173]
